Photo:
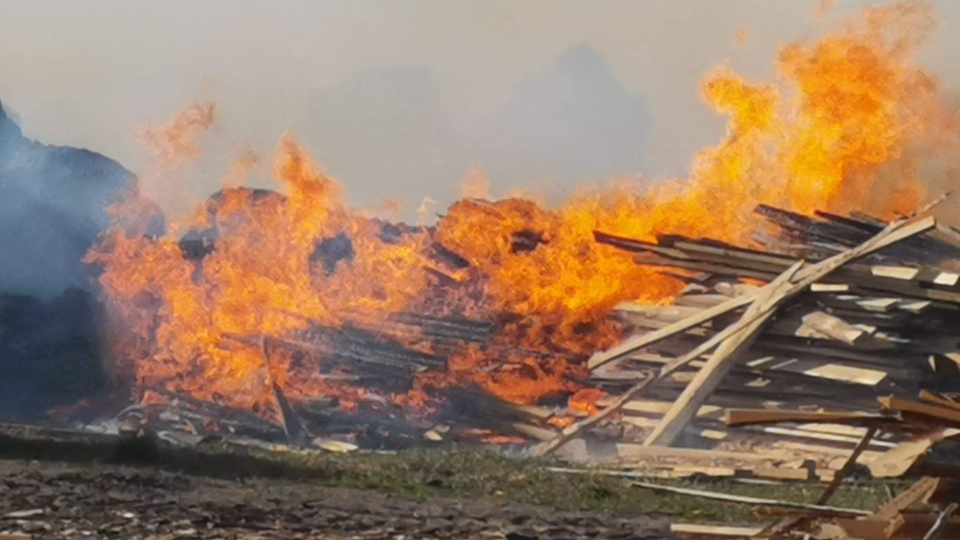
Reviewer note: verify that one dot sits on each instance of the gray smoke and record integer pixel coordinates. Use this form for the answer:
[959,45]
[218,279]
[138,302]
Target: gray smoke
[53,203]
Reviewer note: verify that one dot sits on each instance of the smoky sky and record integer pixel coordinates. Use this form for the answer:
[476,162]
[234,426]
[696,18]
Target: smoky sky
[398,99]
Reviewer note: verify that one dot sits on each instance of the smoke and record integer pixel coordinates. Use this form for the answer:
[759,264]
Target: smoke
[389,95]
[53,203]
[173,146]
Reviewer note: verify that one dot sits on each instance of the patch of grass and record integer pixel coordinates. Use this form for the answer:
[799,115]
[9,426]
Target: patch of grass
[433,473]
[478,474]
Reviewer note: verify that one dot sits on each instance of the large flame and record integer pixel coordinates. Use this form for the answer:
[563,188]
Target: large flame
[837,131]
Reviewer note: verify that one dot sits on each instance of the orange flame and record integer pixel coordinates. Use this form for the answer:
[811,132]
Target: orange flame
[838,132]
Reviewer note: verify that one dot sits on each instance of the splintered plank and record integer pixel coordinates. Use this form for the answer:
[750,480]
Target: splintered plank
[834,327]
[898,460]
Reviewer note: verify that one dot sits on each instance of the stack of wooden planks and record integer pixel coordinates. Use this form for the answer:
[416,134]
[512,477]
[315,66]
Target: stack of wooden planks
[834,350]
[931,419]
[875,312]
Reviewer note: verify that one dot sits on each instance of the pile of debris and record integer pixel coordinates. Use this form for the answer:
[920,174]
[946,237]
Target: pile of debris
[774,367]
[832,352]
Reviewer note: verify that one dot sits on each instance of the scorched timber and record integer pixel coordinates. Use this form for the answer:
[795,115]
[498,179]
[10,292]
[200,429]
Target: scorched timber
[897,279]
[381,428]
[204,416]
[844,233]
[448,328]
[358,346]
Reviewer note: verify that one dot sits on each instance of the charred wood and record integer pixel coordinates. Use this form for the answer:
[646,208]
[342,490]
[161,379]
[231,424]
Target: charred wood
[525,240]
[357,345]
[472,401]
[448,328]
[332,250]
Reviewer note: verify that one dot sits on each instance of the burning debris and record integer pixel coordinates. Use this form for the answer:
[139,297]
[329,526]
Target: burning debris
[273,302]
[781,283]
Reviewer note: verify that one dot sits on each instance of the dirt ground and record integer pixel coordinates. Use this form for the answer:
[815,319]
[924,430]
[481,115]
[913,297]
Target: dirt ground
[52,500]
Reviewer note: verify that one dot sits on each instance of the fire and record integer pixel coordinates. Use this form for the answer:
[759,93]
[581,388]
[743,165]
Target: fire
[834,132]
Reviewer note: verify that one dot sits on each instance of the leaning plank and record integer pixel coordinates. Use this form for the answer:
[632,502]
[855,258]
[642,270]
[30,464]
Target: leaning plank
[943,521]
[772,503]
[292,426]
[906,498]
[755,315]
[638,342]
[741,337]
[847,466]
[721,361]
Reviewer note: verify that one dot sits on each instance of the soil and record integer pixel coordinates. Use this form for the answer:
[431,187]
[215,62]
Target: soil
[51,500]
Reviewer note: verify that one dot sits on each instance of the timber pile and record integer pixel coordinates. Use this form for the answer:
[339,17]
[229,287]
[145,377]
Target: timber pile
[834,352]
[873,314]
[375,359]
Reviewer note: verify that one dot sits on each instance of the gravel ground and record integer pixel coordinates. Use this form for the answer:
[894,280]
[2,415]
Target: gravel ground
[68,501]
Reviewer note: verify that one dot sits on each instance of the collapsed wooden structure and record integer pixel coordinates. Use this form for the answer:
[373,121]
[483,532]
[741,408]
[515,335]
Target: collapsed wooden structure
[849,360]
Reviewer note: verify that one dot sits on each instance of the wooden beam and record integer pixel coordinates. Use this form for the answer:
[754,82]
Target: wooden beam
[937,399]
[753,417]
[745,531]
[741,336]
[942,414]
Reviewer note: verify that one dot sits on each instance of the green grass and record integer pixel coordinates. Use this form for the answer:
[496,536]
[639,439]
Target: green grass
[477,474]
